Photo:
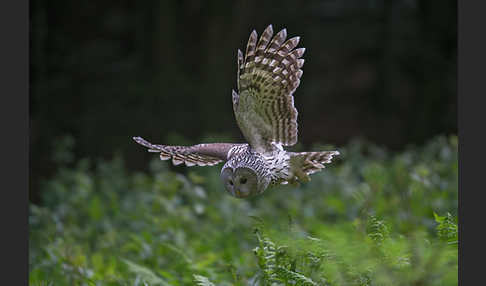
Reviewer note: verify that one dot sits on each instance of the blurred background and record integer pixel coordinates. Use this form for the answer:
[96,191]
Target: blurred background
[379,85]
[104,71]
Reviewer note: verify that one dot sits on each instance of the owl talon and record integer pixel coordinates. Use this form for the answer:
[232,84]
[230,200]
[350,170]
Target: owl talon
[303,177]
[294,182]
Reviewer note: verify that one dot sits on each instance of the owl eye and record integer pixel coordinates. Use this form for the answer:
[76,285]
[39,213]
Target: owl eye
[243,180]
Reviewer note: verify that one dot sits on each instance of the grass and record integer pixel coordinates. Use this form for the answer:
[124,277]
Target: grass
[371,218]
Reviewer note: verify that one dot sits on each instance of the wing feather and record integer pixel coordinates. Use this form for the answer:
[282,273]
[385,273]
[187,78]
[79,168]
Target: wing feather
[200,155]
[311,162]
[268,75]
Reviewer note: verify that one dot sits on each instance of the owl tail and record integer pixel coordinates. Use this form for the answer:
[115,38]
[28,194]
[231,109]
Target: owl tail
[305,163]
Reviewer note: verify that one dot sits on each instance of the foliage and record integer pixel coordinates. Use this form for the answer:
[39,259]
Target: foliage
[447,228]
[202,281]
[370,218]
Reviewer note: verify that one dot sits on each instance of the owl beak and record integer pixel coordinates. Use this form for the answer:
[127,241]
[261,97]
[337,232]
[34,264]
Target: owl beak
[239,194]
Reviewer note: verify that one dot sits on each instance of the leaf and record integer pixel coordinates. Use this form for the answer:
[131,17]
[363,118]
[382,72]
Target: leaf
[266,253]
[377,229]
[297,278]
[446,228]
[145,274]
[202,281]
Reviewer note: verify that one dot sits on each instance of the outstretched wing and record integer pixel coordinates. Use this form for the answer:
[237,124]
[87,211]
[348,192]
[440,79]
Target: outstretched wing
[267,77]
[200,155]
[305,163]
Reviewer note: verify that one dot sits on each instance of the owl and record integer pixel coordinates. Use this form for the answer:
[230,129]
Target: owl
[267,76]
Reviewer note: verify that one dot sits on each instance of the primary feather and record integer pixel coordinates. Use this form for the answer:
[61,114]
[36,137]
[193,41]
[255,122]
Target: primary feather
[268,75]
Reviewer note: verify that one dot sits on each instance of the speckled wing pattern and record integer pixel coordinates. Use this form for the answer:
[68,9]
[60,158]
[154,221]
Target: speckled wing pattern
[267,77]
[311,162]
[196,155]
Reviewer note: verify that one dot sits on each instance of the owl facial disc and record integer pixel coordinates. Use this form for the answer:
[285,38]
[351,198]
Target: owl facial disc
[240,183]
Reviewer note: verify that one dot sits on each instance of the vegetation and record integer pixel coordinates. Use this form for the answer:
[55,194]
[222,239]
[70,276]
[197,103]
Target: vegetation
[371,218]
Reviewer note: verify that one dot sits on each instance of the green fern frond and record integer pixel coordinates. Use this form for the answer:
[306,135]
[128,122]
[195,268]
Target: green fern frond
[446,228]
[376,229]
[277,267]
[294,278]
[202,281]
[266,253]
[146,274]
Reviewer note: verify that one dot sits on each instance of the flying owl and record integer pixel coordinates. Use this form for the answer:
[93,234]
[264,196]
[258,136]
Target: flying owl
[267,77]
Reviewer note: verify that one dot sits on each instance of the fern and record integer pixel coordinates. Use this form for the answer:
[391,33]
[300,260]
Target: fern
[293,278]
[376,229]
[276,265]
[202,281]
[266,253]
[95,213]
[144,273]
[446,228]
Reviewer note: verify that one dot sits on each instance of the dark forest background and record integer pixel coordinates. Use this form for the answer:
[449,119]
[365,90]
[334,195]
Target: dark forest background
[104,71]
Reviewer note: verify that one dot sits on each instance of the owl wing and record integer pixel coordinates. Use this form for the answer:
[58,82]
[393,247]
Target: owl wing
[200,155]
[304,164]
[267,77]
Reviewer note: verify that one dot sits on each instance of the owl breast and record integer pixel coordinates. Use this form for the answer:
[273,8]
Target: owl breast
[278,165]
[274,164]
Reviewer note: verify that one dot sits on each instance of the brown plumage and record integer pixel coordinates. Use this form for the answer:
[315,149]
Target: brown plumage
[267,78]
[200,155]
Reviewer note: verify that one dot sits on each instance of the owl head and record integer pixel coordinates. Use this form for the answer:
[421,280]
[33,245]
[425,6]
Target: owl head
[242,180]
